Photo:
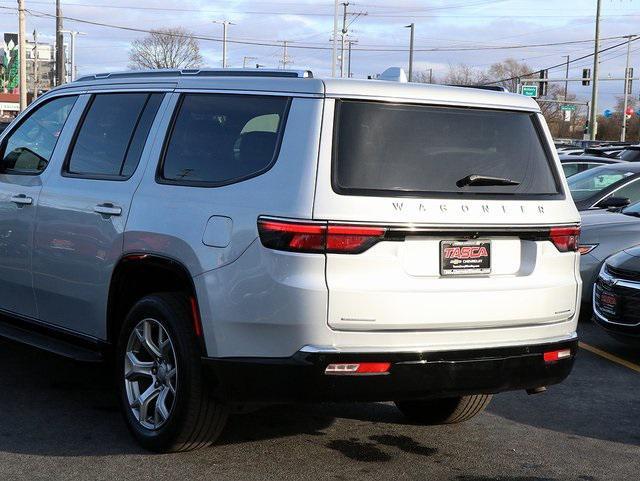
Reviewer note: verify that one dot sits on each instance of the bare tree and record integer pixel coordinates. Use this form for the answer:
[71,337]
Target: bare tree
[508,72]
[462,74]
[165,48]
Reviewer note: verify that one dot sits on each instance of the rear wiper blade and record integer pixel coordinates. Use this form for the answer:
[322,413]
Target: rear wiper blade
[483,180]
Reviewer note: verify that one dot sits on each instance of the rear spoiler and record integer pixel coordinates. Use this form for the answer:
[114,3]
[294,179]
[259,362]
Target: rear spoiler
[495,88]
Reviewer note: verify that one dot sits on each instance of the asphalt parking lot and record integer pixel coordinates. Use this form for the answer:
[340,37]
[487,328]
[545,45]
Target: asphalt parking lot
[59,420]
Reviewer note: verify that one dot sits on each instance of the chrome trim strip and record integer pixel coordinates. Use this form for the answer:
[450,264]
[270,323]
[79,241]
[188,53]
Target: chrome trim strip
[315,349]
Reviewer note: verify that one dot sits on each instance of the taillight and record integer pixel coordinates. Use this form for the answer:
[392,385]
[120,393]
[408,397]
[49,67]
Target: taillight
[565,239]
[317,237]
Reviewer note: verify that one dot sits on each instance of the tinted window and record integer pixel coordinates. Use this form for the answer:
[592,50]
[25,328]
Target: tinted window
[590,182]
[112,134]
[630,191]
[396,149]
[28,149]
[570,169]
[217,139]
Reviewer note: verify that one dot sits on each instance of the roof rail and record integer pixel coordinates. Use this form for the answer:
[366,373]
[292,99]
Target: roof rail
[495,88]
[227,72]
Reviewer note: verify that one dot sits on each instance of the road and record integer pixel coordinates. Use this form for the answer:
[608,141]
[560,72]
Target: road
[59,420]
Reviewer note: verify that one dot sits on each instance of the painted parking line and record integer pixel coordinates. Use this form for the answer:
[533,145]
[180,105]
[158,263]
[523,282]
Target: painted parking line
[610,357]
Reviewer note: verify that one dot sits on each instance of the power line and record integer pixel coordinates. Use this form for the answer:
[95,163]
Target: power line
[314,47]
[562,64]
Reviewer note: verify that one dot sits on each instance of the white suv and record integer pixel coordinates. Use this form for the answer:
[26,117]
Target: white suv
[239,236]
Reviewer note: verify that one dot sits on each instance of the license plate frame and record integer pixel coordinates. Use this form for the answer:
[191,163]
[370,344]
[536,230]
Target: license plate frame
[465,257]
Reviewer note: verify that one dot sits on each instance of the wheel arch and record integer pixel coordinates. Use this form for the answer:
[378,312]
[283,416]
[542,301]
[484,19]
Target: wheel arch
[140,274]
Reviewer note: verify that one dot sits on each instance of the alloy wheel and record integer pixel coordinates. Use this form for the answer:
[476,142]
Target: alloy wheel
[150,374]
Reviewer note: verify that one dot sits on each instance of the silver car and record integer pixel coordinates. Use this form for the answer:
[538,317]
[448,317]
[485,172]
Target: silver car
[604,233]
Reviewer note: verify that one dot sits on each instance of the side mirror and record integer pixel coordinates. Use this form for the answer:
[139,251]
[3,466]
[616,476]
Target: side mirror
[613,203]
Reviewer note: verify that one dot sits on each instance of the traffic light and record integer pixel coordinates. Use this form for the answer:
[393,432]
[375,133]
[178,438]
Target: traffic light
[542,90]
[629,80]
[586,76]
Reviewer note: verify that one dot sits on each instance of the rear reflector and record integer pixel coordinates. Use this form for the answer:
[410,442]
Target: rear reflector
[317,237]
[358,368]
[565,239]
[553,356]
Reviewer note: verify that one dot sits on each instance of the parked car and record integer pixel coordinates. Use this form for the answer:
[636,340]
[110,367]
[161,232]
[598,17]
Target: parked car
[609,150]
[630,154]
[616,296]
[614,185]
[604,233]
[238,236]
[572,165]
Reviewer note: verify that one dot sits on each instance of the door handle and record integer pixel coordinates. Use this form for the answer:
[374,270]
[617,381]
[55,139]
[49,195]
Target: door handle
[108,209]
[22,199]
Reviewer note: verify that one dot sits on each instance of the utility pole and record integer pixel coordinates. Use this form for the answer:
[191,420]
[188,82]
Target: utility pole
[334,57]
[411,39]
[566,82]
[244,60]
[22,57]
[344,37]
[431,75]
[225,24]
[36,59]
[59,45]
[285,57]
[627,79]
[593,125]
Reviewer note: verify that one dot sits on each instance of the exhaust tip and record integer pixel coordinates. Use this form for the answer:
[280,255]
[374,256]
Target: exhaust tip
[537,390]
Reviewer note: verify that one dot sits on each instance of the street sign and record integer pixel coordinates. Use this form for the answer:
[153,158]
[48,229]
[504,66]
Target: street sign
[530,90]
[567,115]
[568,107]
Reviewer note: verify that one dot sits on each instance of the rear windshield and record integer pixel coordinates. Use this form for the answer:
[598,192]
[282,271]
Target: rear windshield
[400,149]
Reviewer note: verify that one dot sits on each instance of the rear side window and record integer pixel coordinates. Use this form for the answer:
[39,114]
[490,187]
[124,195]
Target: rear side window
[112,135]
[218,139]
[401,149]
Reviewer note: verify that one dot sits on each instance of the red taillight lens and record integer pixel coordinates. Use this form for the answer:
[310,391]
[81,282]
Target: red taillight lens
[355,368]
[565,239]
[553,356]
[352,239]
[317,237]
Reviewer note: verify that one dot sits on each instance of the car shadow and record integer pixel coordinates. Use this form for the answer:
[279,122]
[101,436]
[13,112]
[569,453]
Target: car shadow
[55,407]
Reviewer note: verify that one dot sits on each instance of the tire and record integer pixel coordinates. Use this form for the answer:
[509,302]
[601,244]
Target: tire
[449,410]
[180,412]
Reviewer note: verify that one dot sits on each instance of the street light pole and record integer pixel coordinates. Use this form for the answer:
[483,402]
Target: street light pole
[566,82]
[22,56]
[413,29]
[593,125]
[225,24]
[623,133]
[36,58]
[72,51]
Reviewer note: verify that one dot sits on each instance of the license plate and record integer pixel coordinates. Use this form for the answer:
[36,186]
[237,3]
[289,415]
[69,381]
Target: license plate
[465,257]
[608,302]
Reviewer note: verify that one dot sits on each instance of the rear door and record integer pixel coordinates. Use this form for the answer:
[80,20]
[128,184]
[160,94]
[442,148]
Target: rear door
[83,209]
[468,199]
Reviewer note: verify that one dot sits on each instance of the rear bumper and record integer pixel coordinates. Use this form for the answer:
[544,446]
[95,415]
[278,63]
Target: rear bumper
[413,375]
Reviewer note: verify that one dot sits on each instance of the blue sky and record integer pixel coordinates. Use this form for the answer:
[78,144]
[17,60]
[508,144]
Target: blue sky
[469,25]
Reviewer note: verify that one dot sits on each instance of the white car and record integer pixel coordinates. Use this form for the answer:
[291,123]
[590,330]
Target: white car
[237,236]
